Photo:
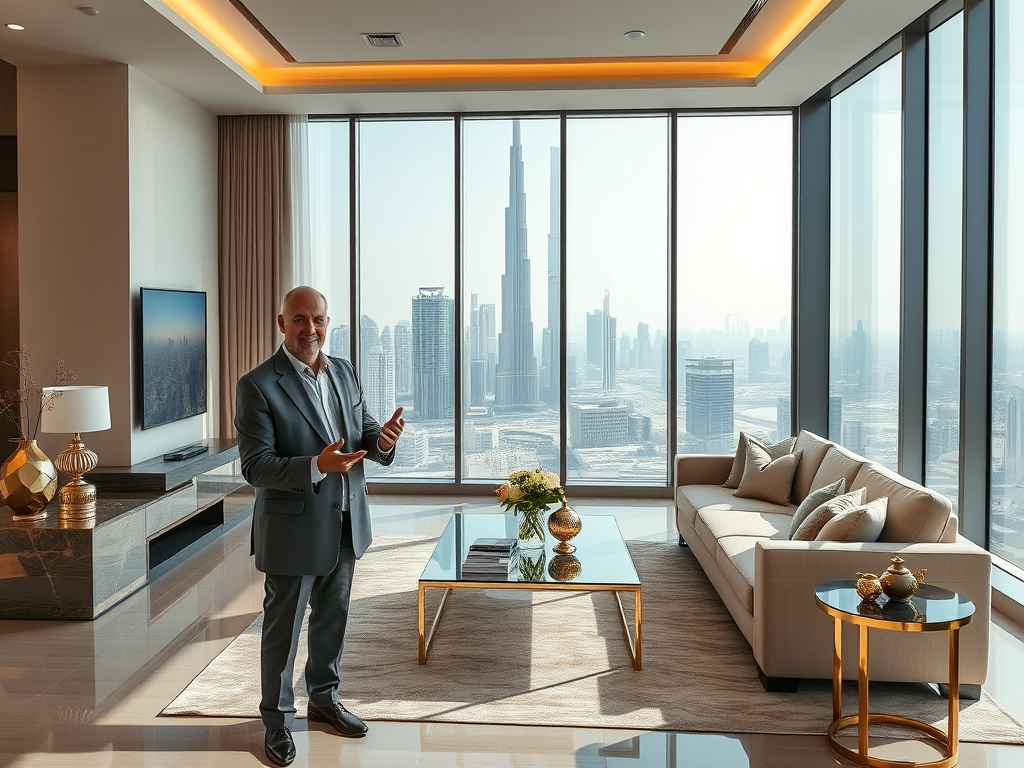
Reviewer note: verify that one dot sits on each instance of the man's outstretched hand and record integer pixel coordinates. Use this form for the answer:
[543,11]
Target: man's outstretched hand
[331,459]
[391,431]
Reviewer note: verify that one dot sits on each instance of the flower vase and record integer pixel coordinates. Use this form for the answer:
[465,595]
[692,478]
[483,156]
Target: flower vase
[28,481]
[531,529]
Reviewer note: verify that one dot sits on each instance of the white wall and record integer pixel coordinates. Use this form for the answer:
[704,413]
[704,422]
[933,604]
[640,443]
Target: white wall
[117,189]
[172,161]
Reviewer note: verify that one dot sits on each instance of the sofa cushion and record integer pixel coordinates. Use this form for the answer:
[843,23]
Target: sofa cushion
[739,462]
[767,478]
[686,508]
[913,514]
[814,522]
[815,500]
[714,524]
[814,449]
[735,557]
[715,497]
[838,462]
[863,523]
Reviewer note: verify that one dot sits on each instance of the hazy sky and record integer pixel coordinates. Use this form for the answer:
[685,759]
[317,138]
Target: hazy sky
[173,314]
[734,224]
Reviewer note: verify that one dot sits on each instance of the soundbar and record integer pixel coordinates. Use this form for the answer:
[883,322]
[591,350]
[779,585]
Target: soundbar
[186,452]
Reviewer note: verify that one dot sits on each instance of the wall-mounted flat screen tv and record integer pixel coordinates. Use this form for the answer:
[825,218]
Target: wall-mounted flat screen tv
[173,331]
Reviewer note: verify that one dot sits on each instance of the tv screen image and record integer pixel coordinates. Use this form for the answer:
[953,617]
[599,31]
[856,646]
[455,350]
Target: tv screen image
[173,355]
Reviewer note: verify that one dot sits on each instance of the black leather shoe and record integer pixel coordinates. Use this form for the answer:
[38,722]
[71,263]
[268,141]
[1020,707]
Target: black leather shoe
[343,721]
[279,746]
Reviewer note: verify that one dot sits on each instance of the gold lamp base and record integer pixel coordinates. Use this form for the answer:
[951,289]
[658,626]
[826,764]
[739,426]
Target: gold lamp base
[77,497]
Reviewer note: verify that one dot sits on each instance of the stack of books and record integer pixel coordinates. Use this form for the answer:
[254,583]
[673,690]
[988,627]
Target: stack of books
[488,559]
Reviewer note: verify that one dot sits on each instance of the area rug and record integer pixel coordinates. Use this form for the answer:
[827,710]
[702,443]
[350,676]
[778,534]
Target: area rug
[560,658]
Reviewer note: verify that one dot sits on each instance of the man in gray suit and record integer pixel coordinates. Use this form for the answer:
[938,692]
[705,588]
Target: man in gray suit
[294,414]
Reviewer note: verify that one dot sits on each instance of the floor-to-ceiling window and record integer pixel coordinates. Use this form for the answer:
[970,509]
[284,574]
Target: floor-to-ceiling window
[734,279]
[617,297]
[503,196]
[945,255]
[327,199]
[511,248]
[1007,474]
[864,322]
[407,287]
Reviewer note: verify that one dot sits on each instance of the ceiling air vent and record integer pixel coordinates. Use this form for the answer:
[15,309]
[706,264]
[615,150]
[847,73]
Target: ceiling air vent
[384,39]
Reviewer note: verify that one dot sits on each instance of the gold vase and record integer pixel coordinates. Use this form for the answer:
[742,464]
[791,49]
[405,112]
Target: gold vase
[28,481]
[564,523]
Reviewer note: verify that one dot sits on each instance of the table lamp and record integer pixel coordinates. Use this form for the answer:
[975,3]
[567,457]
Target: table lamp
[77,409]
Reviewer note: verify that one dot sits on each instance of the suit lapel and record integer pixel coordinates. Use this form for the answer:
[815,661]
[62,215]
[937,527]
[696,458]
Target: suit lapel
[299,394]
[334,374]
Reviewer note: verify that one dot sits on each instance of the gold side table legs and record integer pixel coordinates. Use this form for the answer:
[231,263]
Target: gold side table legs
[948,740]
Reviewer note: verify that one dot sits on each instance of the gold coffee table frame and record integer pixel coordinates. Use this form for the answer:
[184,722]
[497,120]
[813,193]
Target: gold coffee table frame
[949,741]
[634,639]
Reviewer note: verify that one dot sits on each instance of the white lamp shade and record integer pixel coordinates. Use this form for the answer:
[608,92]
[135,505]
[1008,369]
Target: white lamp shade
[77,409]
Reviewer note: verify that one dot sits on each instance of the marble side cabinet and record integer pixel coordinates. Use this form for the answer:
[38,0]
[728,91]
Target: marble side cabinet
[56,569]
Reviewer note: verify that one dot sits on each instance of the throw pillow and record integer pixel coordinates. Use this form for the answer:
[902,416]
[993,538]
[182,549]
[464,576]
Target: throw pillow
[766,478]
[863,523]
[814,500]
[814,522]
[775,450]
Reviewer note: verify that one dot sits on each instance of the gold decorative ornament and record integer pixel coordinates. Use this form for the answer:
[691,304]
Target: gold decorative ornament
[898,583]
[565,568]
[868,586]
[28,481]
[564,524]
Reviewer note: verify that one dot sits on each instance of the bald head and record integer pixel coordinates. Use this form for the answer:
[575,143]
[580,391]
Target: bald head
[303,321]
[302,290]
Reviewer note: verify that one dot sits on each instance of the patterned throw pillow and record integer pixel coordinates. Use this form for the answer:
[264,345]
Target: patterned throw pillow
[774,450]
[814,522]
[863,523]
[766,478]
[814,500]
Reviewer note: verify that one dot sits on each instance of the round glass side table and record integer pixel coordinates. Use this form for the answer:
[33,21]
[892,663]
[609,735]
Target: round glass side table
[931,609]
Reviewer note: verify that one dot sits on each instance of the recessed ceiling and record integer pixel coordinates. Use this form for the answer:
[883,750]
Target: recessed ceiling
[236,56]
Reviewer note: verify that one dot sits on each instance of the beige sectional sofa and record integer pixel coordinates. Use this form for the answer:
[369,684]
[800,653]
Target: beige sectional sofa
[767,582]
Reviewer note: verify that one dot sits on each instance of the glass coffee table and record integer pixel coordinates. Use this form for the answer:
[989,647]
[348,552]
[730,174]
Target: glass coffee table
[601,563]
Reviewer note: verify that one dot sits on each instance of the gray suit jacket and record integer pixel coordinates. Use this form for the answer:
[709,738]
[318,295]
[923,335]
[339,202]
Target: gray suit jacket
[296,527]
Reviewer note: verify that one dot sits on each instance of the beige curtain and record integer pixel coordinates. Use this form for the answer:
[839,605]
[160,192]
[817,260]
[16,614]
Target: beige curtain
[255,249]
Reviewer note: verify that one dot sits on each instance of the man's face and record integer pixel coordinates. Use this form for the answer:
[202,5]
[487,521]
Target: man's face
[304,325]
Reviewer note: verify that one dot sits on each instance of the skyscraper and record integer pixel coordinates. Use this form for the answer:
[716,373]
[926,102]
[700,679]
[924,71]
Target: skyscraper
[644,358]
[403,357]
[517,383]
[338,345]
[608,335]
[477,353]
[379,380]
[433,359]
[757,360]
[550,368]
[595,335]
[710,388]
[369,337]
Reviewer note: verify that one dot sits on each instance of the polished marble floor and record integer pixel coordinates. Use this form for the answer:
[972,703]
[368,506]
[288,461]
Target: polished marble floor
[89,693]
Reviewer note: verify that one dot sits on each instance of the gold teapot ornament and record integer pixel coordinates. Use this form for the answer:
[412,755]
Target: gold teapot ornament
[868,586]
[898,583]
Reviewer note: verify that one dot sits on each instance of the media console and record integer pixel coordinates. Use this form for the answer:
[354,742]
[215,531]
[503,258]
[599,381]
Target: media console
[149,516]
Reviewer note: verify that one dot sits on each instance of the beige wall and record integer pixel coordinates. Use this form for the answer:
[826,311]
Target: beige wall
[172,170]
[117,189]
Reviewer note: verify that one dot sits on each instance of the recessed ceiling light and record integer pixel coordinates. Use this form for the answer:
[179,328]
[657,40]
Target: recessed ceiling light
[16,27]
[89,10]
[635,34]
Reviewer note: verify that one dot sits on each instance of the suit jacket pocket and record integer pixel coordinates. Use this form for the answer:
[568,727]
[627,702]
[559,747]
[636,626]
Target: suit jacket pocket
[283,506]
